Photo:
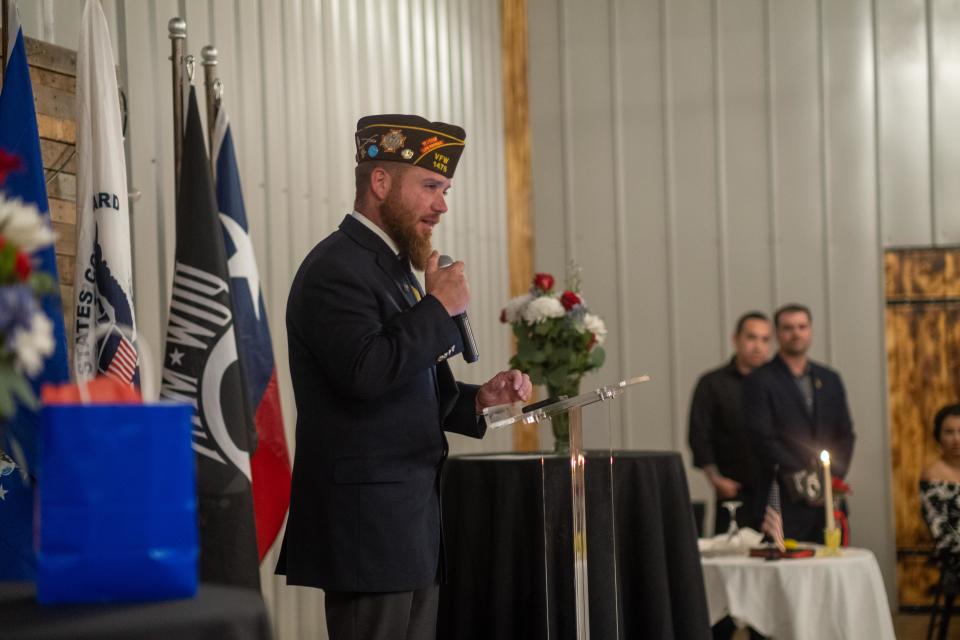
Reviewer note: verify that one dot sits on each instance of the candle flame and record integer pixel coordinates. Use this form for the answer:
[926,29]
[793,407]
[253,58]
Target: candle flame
[825,456]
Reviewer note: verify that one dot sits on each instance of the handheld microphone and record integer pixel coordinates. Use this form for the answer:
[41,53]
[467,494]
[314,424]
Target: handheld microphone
[470,353]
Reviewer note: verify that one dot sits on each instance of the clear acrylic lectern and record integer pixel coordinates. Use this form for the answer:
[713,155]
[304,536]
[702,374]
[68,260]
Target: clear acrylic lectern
[539,413]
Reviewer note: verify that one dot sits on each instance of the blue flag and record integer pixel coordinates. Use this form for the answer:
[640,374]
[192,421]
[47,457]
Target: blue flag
[19,136]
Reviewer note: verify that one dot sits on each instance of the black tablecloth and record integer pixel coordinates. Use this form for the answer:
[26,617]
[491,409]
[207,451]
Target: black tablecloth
[216,613]
[508,535]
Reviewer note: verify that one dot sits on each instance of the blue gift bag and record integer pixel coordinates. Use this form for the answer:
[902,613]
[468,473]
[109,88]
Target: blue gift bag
[117,504]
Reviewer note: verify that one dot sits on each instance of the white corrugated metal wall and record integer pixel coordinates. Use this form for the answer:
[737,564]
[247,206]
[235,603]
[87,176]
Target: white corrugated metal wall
[297,75]
[715,156]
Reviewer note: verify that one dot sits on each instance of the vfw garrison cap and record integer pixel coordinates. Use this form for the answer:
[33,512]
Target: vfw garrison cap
[412,140]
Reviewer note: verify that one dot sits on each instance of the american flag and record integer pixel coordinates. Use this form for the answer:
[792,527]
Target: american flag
[123,365]
[773,517]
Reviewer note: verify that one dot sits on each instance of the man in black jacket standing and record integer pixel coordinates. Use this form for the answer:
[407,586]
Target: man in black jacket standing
[795,408]
[368,357]
[718,439]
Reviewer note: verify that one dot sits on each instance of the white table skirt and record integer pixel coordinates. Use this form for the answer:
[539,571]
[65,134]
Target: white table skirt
[840,598]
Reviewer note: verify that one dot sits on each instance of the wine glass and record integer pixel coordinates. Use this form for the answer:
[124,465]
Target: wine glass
[733,530]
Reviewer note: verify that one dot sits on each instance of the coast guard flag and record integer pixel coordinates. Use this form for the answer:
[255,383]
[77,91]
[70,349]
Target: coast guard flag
[271,461]
[18,135]
[201,368]
[105,329]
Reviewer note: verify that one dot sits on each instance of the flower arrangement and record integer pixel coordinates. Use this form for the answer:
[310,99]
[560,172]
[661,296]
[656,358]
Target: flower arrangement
[26,334]
[558,339]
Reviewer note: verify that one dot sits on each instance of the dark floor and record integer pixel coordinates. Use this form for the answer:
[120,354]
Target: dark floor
[913,626]
[908,626]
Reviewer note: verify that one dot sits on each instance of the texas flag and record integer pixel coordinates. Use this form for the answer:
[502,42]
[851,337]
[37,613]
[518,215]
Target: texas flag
[270,463]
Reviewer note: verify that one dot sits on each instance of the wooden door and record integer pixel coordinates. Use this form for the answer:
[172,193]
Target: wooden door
[923,365]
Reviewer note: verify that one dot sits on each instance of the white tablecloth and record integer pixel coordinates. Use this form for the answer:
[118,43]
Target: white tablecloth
[840,598]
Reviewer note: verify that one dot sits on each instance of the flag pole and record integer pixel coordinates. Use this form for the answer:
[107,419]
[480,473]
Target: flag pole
[5,31]
[177,28]
[211,85]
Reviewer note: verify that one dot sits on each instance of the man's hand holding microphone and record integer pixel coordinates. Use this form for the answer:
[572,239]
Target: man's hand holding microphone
[445,280]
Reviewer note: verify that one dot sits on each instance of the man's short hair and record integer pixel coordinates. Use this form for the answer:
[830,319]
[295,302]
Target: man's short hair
[944,413]
[363,171]
[793,307]
[750,315]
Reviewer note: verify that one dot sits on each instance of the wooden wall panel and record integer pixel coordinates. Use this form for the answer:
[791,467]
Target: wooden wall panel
[53,73]
[923,358]
[513,18]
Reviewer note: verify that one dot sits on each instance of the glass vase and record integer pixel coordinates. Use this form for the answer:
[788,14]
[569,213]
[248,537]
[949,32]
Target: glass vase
[561,422]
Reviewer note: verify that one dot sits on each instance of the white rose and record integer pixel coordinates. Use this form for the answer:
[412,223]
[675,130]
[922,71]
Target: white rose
[23,226]
[514,308]
[34,344]
[594,324]
[542,308]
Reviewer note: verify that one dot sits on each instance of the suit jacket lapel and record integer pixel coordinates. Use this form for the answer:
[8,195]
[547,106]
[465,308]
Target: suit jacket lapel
[396,269]
[388,262]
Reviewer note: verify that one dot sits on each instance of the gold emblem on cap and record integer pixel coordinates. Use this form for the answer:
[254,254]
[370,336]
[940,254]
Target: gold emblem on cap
[392,140]
[406,154]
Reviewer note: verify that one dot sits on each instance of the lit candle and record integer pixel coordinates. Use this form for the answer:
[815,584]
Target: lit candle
[827,489]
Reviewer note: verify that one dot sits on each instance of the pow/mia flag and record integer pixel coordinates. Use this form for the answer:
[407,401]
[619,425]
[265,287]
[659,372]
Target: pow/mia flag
[201,368]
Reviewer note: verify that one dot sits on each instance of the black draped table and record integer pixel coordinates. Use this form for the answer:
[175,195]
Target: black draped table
[224,613]
[509,550]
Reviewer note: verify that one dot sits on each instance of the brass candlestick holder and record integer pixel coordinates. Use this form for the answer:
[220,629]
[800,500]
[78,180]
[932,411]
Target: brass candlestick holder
[831,542]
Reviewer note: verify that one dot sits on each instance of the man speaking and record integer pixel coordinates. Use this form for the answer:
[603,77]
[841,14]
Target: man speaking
[374,393]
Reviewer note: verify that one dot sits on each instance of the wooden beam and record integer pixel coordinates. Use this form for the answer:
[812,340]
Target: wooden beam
[513,26]
[57,129]
[57,155]
[51,57]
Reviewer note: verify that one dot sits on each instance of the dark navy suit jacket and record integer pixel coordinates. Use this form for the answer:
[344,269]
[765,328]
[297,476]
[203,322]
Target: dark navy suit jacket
[784,434]
[374,394]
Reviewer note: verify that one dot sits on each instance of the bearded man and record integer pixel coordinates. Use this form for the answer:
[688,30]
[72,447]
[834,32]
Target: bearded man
[374,393]
[794,408]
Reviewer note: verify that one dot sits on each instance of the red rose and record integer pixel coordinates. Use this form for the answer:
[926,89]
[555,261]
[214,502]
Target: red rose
[839,486]
[569,300]
[8,164]
[593,341]
[503,316]
[543,281]
[22,265]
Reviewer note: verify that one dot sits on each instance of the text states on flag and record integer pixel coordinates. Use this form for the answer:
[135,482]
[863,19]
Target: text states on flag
[105,329]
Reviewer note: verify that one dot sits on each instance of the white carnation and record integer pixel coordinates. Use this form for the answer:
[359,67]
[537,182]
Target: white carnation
[594,324]
[23,226]
[542,308]
[514,308]
[33,345]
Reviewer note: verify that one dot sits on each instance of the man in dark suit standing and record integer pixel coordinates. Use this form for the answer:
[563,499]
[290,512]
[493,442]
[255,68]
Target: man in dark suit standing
[794,408]
[374,393]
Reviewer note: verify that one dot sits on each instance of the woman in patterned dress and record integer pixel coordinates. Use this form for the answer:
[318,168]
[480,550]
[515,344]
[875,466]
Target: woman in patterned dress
[940,488]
